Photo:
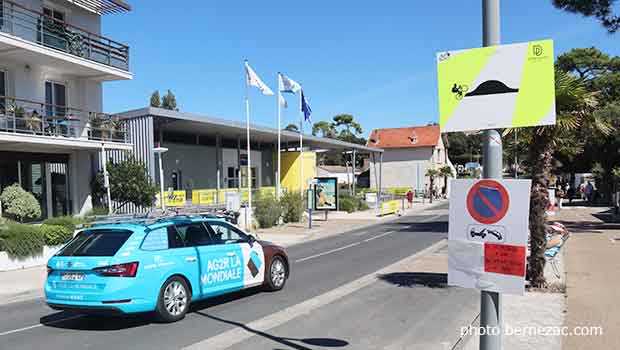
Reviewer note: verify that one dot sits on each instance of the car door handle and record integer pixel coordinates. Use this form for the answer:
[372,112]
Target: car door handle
[191,259]
[231,253]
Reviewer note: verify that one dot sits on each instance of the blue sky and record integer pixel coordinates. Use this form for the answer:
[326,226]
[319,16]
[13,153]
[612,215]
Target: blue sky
[375,61]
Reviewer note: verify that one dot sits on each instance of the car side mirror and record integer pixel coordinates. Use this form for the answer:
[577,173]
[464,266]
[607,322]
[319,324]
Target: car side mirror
[251,240]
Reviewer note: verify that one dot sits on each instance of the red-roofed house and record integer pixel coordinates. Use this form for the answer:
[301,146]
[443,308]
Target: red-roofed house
[408,153]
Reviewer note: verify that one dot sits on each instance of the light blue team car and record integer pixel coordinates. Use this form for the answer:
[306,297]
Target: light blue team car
[161,266]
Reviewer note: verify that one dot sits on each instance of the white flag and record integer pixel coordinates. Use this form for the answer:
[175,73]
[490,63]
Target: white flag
[283,102]
[252,79]
[286,84]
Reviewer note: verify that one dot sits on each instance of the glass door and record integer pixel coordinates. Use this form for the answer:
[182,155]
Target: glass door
[59,189]
[33,181]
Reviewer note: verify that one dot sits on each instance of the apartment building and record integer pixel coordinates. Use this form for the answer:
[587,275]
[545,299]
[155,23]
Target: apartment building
[54,59]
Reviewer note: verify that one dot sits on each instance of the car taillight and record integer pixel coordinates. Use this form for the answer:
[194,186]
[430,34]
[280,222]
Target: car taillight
[49,270]
[120,270]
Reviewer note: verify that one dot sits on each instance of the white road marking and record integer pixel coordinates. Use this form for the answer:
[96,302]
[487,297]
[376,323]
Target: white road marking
[328,252]
[238,335]
[40,325]
[378,236]
[432,218]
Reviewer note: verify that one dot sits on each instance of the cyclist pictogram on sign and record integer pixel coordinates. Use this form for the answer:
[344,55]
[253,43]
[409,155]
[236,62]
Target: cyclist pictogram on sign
[487,201]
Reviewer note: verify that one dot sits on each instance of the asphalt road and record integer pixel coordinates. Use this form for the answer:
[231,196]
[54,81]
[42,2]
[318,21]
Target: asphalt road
[384,314]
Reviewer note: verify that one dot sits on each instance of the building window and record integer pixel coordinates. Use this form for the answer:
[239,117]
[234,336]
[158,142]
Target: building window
[232,181]
[55,99]
[413,138]
[2,90]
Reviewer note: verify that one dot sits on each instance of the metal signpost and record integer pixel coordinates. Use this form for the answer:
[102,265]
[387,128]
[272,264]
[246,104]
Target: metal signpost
[490,302]
[310,203]
[496,86]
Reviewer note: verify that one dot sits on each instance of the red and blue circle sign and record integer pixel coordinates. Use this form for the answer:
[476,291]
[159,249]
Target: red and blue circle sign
[487,201]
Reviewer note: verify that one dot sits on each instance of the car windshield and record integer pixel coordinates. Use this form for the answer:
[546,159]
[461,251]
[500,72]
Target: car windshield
[96,243]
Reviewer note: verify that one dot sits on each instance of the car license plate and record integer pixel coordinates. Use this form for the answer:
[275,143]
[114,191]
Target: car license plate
[74,276]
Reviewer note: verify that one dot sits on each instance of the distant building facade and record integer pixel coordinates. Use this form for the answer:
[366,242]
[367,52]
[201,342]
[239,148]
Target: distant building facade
[408,153]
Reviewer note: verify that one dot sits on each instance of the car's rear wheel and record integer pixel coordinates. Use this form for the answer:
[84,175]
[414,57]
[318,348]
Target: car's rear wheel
[278,271]
[173,301]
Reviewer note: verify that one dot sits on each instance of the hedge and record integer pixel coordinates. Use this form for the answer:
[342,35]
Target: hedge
[56,234]
[69,222]
[21,241]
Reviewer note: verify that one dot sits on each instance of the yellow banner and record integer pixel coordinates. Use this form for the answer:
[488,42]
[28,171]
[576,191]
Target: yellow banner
[176,200]
[390,207]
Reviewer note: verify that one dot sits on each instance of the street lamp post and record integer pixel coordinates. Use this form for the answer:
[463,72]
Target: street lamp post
[160,151]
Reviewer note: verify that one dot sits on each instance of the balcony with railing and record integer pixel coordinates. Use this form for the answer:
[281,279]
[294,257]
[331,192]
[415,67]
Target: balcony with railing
[25,117]
[40,28]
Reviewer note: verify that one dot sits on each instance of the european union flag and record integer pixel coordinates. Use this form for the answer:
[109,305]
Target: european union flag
[305,108]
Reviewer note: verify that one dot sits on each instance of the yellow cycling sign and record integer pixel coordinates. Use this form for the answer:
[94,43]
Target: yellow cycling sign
[491,87]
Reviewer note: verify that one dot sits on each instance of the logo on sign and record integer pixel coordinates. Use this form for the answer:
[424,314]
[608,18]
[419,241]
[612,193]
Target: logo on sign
[487,202]
[537,50]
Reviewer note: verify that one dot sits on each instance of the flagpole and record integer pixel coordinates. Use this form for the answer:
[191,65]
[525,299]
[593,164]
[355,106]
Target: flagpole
[278,174]
[248,210]
[301,145]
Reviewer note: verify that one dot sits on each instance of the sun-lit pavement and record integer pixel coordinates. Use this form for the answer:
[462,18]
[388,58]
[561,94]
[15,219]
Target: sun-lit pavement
[592,283]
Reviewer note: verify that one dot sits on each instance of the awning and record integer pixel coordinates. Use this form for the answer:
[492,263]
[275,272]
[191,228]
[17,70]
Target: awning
[103,7]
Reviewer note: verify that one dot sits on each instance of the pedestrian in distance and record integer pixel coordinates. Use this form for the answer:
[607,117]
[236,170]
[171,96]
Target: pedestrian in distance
[409,198]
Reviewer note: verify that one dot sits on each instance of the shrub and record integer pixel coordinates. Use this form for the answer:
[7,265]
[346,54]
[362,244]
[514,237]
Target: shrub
[21,241]
[347,204]
[19,203]
[268,210]
[56,234]
[350,203]
[292,207]
[69,222]
[97,211]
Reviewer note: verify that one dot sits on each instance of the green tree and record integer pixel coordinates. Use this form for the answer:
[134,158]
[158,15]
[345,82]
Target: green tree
[155,100]
[464,148]
[169,101]
[575,106]
[432,174]
[350,130]
[600,71]
[292,127]
[324,128]
[602,10]
[129,183]
[445,172]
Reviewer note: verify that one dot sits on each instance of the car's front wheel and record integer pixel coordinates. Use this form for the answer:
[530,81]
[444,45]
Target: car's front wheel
[173,301]
[277,274]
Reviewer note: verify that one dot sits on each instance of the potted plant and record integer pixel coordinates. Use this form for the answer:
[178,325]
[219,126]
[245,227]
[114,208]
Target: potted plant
[97,123]
[115,126]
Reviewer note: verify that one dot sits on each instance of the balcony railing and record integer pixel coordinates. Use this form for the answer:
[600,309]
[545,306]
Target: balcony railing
[38,27]
[21,116]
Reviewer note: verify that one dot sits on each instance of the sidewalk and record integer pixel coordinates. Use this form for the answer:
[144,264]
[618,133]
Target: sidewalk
[593,280]
[28,283]
[590,265]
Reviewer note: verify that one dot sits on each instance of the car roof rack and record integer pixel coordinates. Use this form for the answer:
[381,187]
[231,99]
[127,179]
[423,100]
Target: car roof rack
[151,217]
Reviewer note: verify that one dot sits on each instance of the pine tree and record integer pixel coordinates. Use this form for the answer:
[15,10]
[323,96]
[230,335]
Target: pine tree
[169,101]
[155,100]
